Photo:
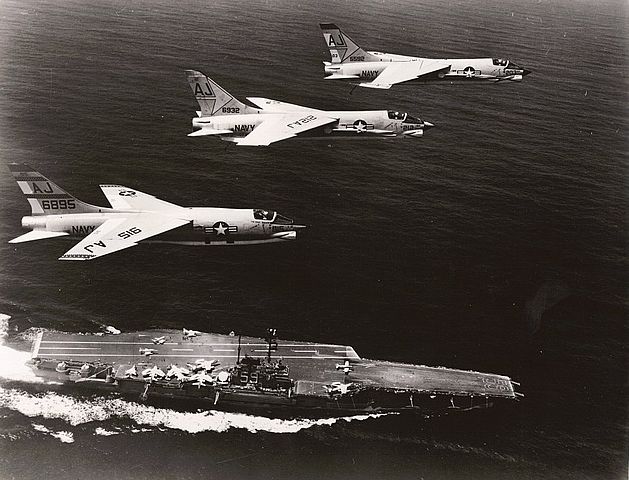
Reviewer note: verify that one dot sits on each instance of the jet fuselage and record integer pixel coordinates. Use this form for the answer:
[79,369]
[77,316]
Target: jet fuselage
[378,123]
[465,69]
[208,226]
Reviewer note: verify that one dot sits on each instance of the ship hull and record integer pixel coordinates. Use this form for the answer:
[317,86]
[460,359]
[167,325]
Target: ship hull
[303,379]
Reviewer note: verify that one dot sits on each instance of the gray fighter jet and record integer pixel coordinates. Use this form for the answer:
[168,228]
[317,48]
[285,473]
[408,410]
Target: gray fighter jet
[382,70]
[271,121]
[137,217]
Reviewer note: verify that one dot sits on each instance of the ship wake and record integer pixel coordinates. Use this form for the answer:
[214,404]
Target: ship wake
[75,411]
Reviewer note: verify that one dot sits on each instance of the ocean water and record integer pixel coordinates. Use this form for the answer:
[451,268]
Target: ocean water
[497,242]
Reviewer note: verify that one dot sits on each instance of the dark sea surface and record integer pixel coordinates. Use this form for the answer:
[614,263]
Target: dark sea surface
[497,242]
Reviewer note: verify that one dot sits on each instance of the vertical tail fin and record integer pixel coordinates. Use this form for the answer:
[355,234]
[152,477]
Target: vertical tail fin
[45,196]
[213,98]
[342,48]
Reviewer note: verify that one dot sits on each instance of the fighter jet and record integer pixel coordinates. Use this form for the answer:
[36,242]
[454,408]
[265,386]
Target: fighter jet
[138,217]
[338,388]
[159,340]
[271,121]
[201,379]
[346,367]
[190,333]
[382,70]
[179,373]
[147,352]
[154,373]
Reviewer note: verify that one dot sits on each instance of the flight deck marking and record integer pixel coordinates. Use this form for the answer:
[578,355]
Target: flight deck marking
[305,351]
[183,349]
[69,348]
[97,355]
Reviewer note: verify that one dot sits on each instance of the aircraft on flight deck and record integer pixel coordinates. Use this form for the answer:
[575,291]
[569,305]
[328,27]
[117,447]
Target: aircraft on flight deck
[154,373]
[131,372]
[271,121]
[190,333]
[201,379]
[179,373]
[381,70]
[137,217]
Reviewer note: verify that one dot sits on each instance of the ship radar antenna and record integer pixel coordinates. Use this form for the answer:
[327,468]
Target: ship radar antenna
[272,341]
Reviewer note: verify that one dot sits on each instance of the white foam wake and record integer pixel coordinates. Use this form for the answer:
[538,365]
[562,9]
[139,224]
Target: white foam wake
[76,412]
[13,366]
[63,436]
[13,362]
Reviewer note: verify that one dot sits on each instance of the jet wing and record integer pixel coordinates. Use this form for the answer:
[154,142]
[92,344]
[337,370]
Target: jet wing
[281,127]
[275,106]
[399,72]
[120,233]
[124,198]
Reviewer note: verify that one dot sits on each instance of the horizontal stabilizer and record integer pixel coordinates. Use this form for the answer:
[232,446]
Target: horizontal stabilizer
[37,235]
[209,131]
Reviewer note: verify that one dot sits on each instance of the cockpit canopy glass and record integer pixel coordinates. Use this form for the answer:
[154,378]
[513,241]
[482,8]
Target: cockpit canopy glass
[260,214]
[412,119]
[500,62]
[282,220]
[271,216]
[396,115]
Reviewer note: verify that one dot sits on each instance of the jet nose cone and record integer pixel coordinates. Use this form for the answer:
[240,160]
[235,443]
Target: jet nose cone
[428,125]
[525,72]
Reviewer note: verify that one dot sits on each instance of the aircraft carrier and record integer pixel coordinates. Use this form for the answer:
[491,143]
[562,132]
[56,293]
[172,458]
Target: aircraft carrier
[238,373]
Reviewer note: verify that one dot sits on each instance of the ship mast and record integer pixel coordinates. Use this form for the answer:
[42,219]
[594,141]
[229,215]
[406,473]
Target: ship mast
[272,341]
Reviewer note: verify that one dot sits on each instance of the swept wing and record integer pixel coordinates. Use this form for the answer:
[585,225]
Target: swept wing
[399,72]
[120,233]
[275,106]
[124,198]
[280,127]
